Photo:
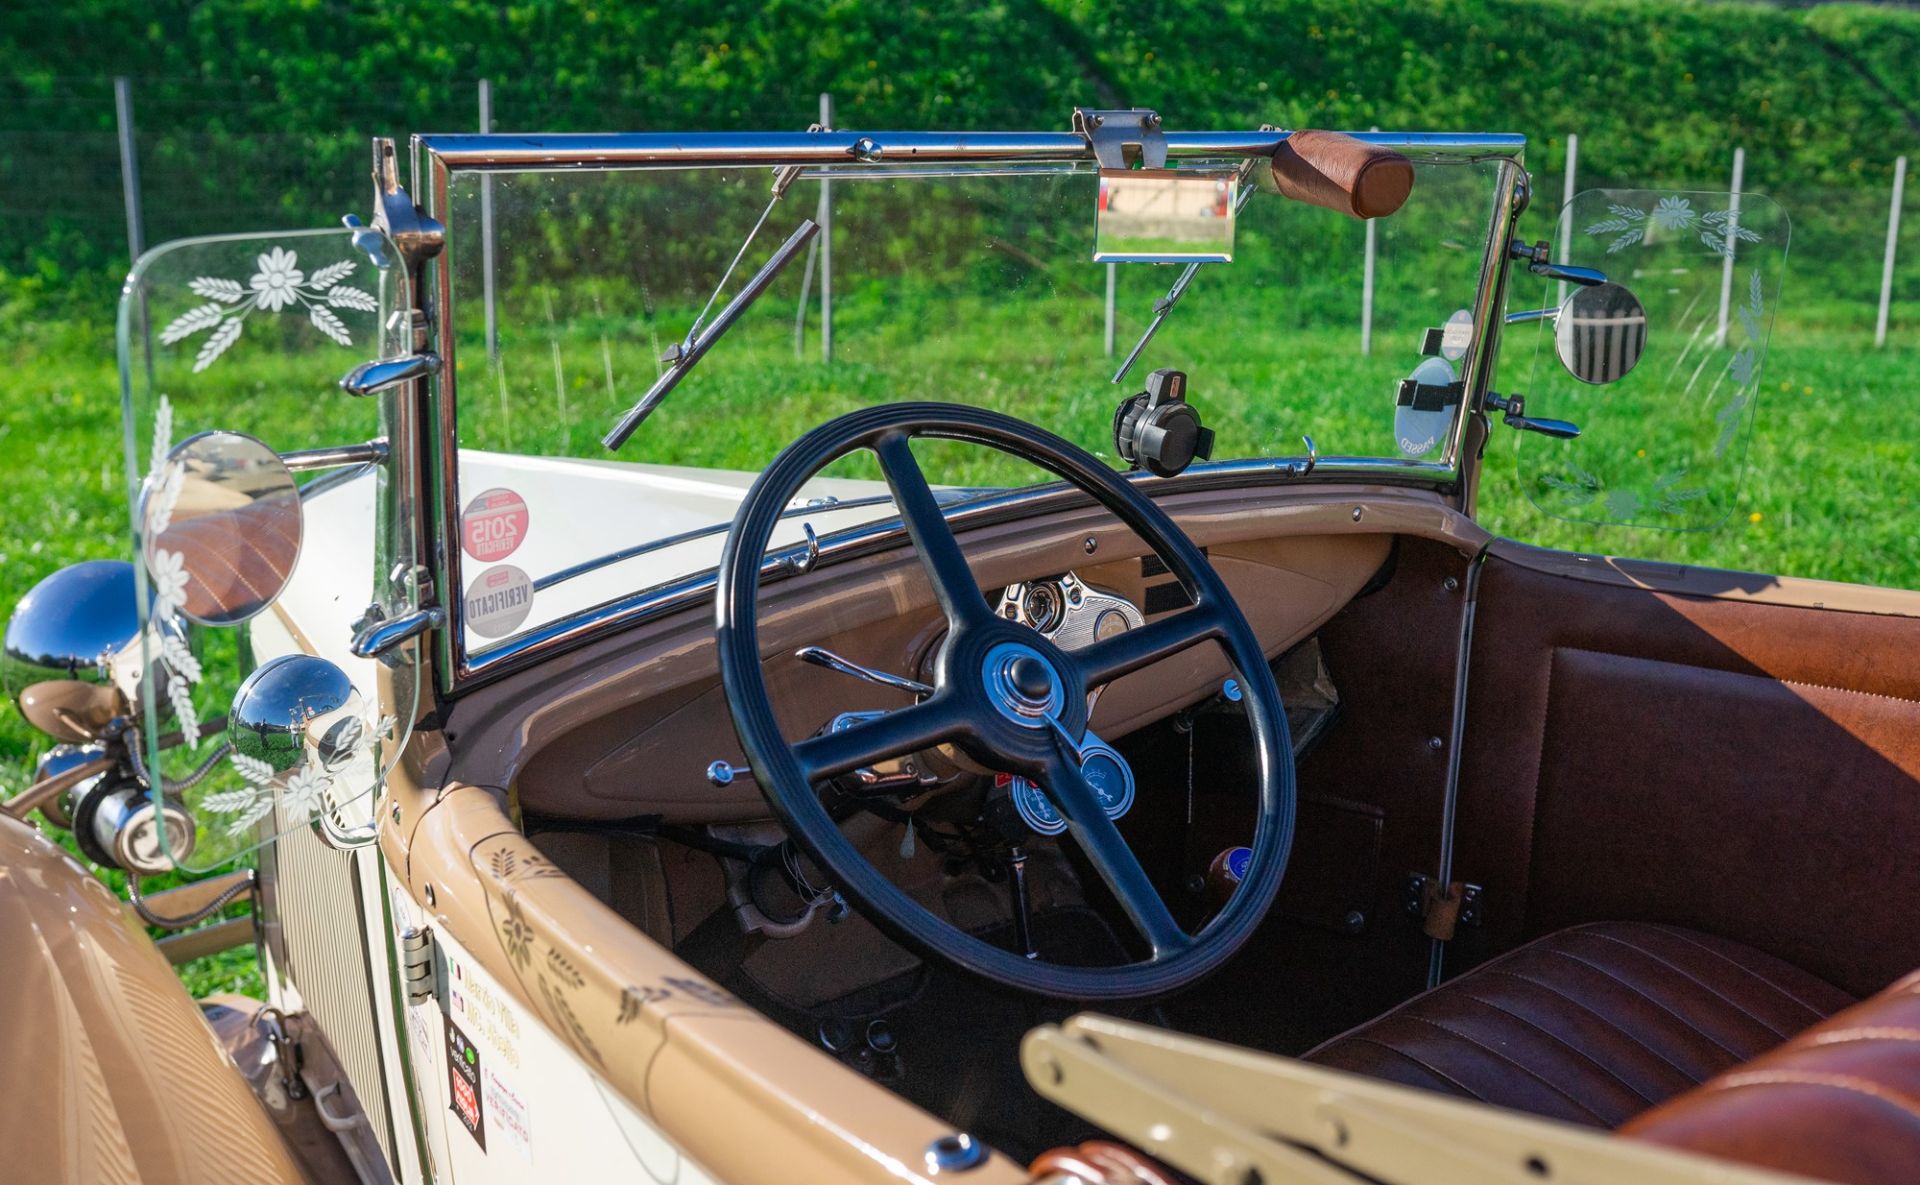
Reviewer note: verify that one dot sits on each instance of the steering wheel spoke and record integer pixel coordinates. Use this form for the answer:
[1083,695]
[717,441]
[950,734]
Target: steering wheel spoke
[926,524]
[1111,855]
[896,734]
[1122,654]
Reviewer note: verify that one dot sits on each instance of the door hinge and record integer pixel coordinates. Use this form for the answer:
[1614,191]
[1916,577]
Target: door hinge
[1442,913]
[418,966]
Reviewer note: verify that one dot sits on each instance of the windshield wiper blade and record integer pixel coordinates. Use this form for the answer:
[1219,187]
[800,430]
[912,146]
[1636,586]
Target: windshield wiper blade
[684,356]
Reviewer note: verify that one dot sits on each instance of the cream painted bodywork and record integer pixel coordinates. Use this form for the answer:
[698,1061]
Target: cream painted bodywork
[578,510]
[545,1115]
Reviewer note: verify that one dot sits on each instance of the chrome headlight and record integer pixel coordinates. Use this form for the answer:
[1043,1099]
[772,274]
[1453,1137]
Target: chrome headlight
[71,624]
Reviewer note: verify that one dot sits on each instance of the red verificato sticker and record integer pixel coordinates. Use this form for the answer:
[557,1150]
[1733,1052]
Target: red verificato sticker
[498,600]
[494,525]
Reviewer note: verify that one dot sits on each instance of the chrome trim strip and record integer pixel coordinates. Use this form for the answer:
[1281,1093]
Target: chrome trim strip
[1488,306]
[1456,737]
[589,150]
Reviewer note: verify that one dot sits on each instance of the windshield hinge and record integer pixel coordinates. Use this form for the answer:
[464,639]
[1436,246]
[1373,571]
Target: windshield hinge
[417,237]
[419,968]
[1119,138]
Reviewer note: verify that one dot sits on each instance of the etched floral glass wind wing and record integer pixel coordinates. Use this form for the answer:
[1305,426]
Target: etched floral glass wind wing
[251,573]
[1665,395]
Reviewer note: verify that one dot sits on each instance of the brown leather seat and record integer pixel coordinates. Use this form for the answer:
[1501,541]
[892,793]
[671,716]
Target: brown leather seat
[1593,1024]
[1675,1037]
[1841,1101]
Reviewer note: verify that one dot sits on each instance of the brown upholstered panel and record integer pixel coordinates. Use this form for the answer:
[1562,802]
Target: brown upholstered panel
[1748,769]
[1840,1102]
[1590,1025]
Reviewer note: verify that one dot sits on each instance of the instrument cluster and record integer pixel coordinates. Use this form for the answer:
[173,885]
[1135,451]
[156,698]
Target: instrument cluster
[1068,611]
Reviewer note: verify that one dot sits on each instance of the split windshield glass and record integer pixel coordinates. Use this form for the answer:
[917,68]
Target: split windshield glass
[972,285]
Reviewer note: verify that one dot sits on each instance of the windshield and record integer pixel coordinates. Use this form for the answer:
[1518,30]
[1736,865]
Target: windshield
[966,284]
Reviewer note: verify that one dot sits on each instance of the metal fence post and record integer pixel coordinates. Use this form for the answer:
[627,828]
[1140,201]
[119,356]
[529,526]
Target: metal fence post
[825,219]
[1733,224]
[129,165]
[806,297]
[1366,294]
[1567,190]
[486,228]
[1366,287]
[1113,284]
[1893,240]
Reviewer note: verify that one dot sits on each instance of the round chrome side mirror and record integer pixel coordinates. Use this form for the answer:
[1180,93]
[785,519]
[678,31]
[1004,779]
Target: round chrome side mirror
[1600,333]
[296,705]
[220,528]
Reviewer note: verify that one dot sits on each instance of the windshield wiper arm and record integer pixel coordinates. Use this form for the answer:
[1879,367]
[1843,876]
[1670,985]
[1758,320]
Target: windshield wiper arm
[683,356]
[1161,308]
[1165,304]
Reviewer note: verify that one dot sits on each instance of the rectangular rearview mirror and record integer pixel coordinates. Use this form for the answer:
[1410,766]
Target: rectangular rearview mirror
[1165,216]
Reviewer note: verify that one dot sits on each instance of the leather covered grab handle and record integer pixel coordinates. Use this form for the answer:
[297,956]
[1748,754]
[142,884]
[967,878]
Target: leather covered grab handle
[1339,172]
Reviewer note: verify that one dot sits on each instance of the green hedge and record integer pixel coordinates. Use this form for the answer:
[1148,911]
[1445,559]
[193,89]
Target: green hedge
[255,112]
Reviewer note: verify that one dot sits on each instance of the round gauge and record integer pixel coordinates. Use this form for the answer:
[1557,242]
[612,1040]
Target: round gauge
[1110,623]
[1045,607]
[1035,809]
[1105,770]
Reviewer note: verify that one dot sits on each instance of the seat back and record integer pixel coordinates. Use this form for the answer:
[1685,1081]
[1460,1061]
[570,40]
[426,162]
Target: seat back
[1839,1102]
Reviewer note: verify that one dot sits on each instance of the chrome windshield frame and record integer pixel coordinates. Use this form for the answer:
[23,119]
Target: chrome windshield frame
[435,158]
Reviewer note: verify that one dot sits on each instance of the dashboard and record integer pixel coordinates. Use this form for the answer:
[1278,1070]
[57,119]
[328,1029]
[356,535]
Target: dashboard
[627,726]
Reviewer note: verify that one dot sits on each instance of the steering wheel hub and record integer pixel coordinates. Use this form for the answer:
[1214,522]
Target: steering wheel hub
[1021,684]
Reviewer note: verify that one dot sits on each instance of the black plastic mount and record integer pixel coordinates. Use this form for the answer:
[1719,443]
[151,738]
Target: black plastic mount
[1429,396]
[1158,430]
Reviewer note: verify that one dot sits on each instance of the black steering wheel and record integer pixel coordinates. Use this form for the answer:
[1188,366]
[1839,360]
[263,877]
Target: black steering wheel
[1007,697]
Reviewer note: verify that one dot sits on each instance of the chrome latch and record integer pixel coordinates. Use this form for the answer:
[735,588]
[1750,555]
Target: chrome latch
[417,972]
[287,1059]
[376,637]
[370,378]
[1118,138]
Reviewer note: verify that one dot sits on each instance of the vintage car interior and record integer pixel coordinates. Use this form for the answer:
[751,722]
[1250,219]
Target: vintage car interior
[908,825]
[1614,961]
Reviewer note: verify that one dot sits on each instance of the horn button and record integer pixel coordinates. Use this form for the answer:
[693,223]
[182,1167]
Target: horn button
[1022,685]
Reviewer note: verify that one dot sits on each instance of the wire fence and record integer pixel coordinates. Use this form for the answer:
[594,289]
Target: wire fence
[81,175]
